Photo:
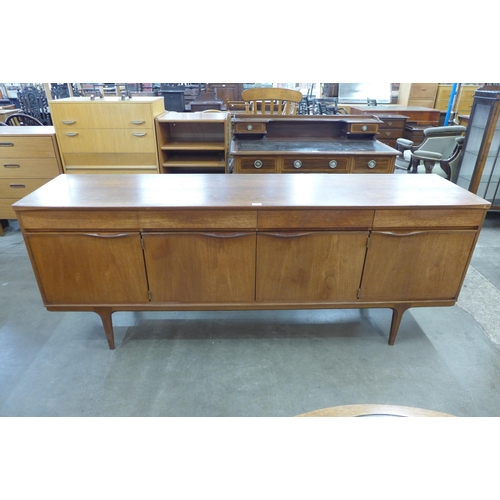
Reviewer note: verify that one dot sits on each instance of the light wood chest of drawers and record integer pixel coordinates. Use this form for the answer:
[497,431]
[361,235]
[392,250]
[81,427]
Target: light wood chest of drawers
[28,159]
[107,135]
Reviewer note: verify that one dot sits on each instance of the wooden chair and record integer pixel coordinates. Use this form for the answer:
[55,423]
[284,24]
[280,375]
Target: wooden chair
[20,119]
[271,101]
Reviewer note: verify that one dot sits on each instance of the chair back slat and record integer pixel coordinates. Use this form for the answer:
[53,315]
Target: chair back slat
[271,101]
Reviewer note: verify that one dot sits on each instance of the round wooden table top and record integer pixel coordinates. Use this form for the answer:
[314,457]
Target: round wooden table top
[374,410]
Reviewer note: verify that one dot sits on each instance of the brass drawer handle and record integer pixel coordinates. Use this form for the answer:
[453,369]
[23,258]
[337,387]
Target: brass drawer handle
[138,122]
[11,165]
[139,134]
[69,122]
[71,134]
[332,164]
[297,163]
[372,164]
[389,123]
[257,164]
[17,186]
[6,144]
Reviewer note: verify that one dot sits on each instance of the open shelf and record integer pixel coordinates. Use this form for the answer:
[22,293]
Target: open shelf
[193,142]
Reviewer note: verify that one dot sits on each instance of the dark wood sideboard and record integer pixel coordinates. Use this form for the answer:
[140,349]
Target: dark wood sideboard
[107,243]
[337,144]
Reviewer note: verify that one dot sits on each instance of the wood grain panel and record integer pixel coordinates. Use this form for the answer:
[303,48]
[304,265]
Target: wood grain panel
[70,273]
[107,141]
[428,218]
[29,168]
[26,147]
[203,268]
[75,219]
[425,265]
[307,267]
[18,188]
[197,219]
[315,219]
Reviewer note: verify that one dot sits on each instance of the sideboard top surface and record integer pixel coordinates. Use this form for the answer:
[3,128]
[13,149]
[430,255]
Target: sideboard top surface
[271,191]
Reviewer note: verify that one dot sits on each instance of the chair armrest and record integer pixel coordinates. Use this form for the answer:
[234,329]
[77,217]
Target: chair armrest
[403,145]
[427,155]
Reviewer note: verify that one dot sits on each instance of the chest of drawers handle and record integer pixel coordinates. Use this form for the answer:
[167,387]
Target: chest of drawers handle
[138,122]
[17,186]
[11,165]
[389,123]
[139,134]
[257,164]
[249,127]
[297,163]
[364,128]
[332,164]
[372,164]
[6,144]
[69,122]
[71,134]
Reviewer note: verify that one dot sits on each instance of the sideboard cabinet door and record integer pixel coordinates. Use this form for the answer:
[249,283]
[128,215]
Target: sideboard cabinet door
[418,265]
[197,267]
[87,268]
[317,266]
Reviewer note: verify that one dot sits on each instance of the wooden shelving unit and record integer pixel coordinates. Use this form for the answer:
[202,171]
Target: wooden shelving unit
[193,142]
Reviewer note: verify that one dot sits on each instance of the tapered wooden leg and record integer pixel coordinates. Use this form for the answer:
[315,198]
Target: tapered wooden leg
[397,315]
[105,314]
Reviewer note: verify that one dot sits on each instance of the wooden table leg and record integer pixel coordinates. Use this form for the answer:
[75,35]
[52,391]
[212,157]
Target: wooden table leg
[397,315]
[107,322]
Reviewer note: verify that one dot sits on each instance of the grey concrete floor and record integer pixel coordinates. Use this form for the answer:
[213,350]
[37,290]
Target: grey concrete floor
[257,363]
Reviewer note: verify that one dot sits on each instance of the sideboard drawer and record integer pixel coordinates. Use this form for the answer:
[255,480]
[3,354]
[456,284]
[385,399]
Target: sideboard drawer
[372,164]
[261,164]
[197,219]
[323,164]
[26,147]
[315,219]
[28,168]
[428,218]
[76,219]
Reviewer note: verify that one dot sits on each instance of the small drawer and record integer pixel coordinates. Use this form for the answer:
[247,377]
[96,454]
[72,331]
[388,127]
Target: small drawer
[315,219]
[423,90]
[249,128]
[19,188]
[362,128]
[323,164]
[26,147]
[197,219]
[372,164]
[390,134]
[438,218]
[261,164]
[28,168]
[76,219]
[393,122]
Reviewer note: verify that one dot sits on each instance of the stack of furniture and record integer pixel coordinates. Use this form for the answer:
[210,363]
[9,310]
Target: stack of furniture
[108,135]
[29,158]
[417,94]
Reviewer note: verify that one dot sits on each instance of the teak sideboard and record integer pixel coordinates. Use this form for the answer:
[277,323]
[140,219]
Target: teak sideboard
[108,243]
